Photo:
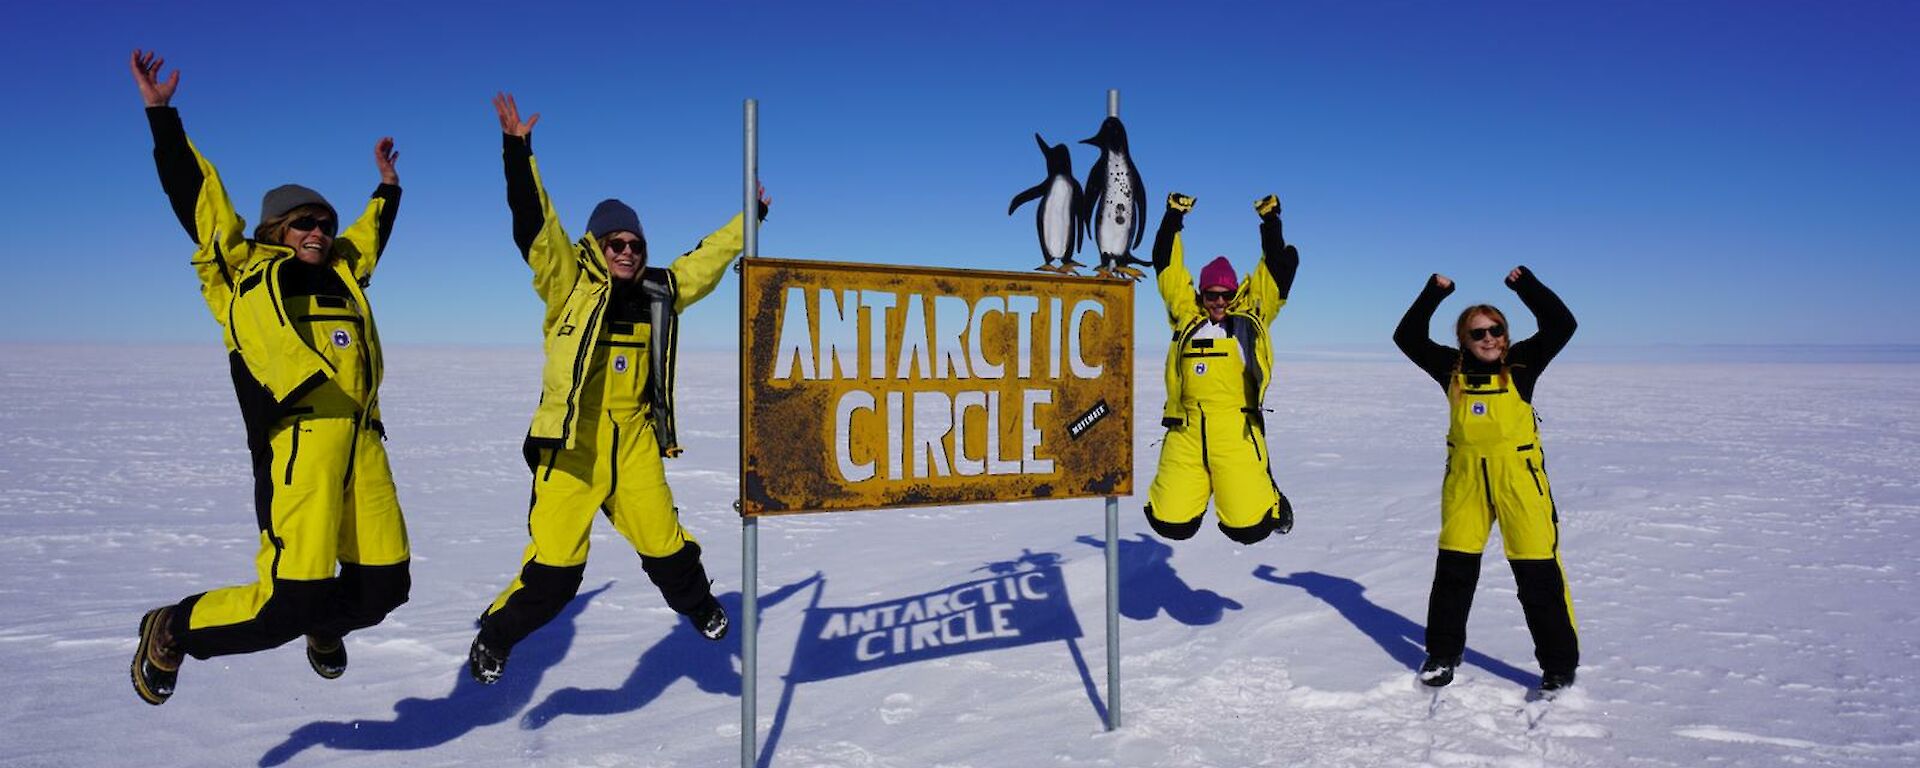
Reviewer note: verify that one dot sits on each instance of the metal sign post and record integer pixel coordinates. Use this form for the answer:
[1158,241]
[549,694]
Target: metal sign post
[1113,557]
[749,525]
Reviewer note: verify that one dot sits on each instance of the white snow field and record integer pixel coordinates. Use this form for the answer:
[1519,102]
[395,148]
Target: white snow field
[1740,540]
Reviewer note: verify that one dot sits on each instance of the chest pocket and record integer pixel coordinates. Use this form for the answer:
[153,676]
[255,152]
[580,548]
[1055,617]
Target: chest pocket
[627,366]
[1212,372]
[334,327]
[1489,413]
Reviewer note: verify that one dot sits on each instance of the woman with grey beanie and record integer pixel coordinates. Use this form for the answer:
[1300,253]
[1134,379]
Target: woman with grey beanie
[305,358]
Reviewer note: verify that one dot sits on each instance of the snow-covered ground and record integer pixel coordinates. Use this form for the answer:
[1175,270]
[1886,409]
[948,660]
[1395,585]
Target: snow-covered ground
[1739,537]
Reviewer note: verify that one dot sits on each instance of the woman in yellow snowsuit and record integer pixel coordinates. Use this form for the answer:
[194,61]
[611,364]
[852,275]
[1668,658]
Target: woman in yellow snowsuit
[1217,373]
[605,418]
[1496,471]
[305,357]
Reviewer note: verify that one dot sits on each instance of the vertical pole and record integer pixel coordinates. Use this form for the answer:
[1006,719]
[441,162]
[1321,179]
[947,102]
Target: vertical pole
[1113,558]
[1113,613]
[749,525]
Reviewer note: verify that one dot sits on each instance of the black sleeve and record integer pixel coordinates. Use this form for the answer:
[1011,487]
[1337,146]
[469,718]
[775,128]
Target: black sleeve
[180,174]
[1556,324]
[388,213]
[1170,225]
[523,196]
[1282,260]
[1411,335]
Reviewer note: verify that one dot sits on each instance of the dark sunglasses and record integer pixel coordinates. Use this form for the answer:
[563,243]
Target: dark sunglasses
[1215,295]
[310,223]
[619,246]
[1498,331]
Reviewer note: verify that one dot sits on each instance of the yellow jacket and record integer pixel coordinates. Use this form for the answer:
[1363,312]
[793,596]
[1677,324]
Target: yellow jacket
[571,277]
[241,282]
[1251,311]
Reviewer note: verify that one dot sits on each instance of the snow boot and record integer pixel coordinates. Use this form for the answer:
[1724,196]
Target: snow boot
[328,657]
[710,619]
[1552,683]
[1436,672]
[156,662]
[485,664]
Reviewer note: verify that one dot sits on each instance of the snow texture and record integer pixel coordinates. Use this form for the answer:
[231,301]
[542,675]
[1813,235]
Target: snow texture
[1739,540]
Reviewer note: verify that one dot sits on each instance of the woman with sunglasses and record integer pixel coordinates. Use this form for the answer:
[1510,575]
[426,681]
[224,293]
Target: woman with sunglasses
[306,367]
[1218,369]
[1495,471]
[606,417]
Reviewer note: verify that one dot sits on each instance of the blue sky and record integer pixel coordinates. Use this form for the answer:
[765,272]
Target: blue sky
[1690,173]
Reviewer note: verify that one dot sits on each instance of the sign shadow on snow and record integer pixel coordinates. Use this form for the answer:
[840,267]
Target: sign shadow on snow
[1401,637]
[1023,602]
[682,653]
[423,723]
[1149,585]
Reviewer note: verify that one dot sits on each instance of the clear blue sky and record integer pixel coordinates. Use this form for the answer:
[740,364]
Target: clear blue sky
[1681,172]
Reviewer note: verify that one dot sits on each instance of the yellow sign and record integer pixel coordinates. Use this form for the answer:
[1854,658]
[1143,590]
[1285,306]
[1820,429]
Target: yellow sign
[871,386]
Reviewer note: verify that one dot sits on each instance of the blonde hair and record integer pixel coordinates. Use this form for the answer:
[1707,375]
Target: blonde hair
[1460,335]
[271,230]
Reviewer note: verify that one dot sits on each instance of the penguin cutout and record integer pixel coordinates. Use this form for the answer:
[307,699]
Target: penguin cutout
[1114,203]
[1059,219]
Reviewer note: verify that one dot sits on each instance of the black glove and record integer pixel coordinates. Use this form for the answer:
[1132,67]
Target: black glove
[1179,202]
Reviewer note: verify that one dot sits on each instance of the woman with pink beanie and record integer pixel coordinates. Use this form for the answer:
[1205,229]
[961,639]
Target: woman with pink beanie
[1218,369]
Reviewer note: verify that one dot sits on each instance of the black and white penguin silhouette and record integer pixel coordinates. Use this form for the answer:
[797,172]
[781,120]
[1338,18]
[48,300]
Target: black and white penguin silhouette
[1115,202]
[1058,219]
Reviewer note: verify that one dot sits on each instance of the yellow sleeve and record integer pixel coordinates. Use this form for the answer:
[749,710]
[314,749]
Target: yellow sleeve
[699,271]
[1261,294]
[359,245]
[221,233]
[1176,287]
[554,257]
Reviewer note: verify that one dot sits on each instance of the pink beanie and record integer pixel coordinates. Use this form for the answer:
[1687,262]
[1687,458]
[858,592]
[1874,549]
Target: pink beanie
[1218,274]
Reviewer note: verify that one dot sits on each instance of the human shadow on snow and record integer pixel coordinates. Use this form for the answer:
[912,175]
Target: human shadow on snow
[682,653]
[1149,585]
[423,723]
[1401,637]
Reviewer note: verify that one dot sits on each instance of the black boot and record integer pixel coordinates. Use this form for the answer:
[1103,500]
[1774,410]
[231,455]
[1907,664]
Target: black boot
[156,660]
[327,656]
[485,664]
[711,619]
[1436,672]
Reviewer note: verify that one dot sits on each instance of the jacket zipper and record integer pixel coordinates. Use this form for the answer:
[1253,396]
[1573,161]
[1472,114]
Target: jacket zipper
[588,340]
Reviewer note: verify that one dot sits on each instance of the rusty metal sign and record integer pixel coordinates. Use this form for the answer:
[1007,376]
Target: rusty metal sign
[873,386]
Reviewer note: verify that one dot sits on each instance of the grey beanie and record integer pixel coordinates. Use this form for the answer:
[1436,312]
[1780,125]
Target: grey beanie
[612,216]
[287,197]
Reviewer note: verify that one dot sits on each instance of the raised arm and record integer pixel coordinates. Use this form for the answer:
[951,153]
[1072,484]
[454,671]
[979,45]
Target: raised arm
[697,272]
[179,174]
[523,189]
[193,187]
[1267,291]
[1555,320]
[543,242]
[1411,335]
[1170,263]
[361,244]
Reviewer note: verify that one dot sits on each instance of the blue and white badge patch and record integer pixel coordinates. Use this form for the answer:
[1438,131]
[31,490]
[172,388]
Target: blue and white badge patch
[1479,409]
[341,338]
[1199,369]
[620,363]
